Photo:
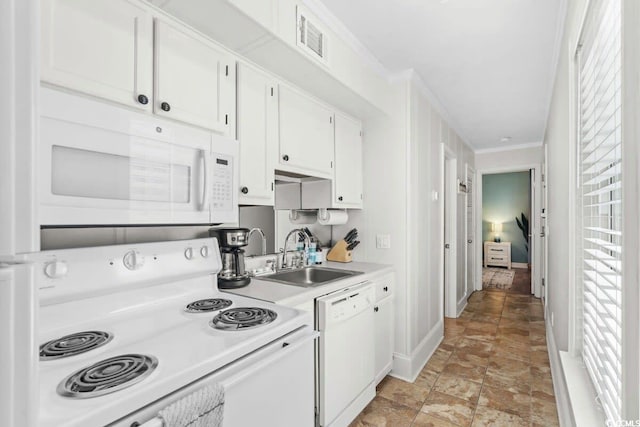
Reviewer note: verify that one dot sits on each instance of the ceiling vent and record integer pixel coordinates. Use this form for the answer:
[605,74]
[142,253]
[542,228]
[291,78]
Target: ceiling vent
[311,37]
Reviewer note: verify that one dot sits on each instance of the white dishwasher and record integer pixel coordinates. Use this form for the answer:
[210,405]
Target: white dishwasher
[346,354]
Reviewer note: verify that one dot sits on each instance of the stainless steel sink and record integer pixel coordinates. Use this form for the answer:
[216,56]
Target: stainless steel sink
[309,276]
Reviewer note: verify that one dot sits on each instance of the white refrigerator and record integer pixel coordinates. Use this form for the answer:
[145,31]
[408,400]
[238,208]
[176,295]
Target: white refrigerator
[19,231]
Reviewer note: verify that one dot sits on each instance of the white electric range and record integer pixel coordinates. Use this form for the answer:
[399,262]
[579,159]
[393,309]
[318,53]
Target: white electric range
[126,330]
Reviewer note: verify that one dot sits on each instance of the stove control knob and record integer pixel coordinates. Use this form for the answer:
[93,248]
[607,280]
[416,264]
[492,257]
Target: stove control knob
[55,269]
[133,260]
[188,253]
[204,251]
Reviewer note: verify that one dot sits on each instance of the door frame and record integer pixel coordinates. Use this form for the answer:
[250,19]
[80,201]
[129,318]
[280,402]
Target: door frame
[448,232]
[535,241]
[470,246]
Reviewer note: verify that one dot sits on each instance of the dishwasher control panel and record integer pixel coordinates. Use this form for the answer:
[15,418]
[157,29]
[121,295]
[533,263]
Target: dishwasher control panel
[342,305]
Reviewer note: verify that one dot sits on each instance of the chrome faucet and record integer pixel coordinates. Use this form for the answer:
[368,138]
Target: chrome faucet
[264,239]
[307,243]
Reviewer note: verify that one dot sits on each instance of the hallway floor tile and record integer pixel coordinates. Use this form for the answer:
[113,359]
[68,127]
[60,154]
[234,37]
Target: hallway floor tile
[491,369]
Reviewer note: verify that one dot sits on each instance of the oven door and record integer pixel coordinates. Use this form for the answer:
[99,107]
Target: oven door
[271,387]
[104,165]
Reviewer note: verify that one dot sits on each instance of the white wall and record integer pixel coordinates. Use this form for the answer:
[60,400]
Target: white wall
[508,158]
[403,152]
[560,166]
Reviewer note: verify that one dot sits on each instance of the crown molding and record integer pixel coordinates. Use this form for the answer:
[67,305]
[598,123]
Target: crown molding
[509,147]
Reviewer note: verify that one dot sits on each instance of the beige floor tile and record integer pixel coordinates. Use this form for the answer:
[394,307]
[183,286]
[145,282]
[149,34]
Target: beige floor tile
[494,356]
[438,360]
[458,387]
[491,318]
[466,370]
[383,412]
[449,342]
[403,393]
[449,408]
[544,412]
[505,400]
[479,334]
[426,378]
[426,420]
[489,417]
[510,374]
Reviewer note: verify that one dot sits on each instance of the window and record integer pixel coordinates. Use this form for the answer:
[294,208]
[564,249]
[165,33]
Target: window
[600,200]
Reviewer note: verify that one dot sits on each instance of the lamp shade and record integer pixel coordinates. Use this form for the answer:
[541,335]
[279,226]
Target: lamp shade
[496,227]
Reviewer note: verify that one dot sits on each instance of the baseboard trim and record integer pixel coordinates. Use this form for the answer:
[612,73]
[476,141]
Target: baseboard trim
[462,304]
[519,265]
[408,367]
[565,414]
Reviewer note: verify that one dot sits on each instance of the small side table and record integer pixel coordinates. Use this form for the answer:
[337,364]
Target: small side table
[497,254]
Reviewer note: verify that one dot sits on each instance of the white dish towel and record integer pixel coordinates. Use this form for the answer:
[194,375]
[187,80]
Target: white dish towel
[203,408]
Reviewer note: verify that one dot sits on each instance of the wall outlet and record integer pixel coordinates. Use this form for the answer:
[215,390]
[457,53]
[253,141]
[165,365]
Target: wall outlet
[383,241]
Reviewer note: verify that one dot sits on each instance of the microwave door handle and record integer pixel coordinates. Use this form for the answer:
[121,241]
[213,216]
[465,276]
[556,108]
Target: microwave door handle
[204,171]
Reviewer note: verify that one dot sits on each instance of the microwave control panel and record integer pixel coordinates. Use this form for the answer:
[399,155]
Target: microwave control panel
[222,187]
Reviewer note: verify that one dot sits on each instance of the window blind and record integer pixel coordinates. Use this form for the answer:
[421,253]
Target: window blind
[600,167]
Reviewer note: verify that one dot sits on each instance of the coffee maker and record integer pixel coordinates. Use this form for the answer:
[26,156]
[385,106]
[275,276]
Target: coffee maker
[231,241]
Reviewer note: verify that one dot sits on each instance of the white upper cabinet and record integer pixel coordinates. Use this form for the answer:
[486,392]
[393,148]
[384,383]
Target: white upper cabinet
[257,132]
[100,47]
[347,183]
[306,135]
[107,48]
[194,79]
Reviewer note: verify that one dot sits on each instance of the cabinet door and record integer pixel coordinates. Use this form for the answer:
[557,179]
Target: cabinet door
[347,183]
[383,326]
[257,133]
[101,47]
[194,79]
[306,135]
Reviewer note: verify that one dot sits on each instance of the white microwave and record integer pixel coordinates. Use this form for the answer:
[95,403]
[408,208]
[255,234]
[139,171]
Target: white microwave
[101,164]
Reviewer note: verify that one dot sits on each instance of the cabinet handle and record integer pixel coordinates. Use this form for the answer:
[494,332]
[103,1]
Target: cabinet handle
[386,289]
[142,99]
[244,190]
[340,198]
[375,309]
[285,158]
[165,106]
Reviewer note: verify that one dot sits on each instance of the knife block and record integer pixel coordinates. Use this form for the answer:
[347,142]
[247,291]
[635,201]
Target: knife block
[339,252]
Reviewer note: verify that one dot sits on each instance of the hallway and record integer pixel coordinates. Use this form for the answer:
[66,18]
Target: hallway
[491,369]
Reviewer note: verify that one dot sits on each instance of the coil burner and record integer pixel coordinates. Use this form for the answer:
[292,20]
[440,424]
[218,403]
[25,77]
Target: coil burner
[107,376]
[73,344]
[207,305]
[241,318]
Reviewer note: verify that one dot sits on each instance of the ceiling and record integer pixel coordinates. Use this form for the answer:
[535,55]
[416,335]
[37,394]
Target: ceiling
[489,63]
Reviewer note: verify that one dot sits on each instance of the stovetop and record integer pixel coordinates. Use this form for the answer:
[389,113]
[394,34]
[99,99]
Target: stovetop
[149,322]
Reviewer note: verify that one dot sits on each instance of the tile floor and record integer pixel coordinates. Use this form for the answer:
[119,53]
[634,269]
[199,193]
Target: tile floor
[491,369]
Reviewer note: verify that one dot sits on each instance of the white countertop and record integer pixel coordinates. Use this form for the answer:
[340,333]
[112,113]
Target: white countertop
[291,295]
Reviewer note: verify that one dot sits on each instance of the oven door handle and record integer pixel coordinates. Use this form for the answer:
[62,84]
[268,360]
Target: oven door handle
[204,179]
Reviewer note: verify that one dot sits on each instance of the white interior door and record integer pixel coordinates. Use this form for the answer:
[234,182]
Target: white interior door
[450,258]
[532,226]
[471,230]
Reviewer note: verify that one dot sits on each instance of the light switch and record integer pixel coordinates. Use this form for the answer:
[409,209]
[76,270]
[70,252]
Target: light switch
[383,241]
[434,195]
